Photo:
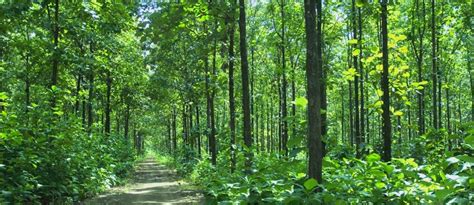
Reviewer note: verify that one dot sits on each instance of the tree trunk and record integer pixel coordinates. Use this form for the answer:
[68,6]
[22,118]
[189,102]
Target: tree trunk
[198,131]
[387,126]
[91,94]
[56,55]
[127,122]
[356,85]
[107,104]
[434,66]
[284,127]
[247,132]
[361,72]
[173,125]
[313,89]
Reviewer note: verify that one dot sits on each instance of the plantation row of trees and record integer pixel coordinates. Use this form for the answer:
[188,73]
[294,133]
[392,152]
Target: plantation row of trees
[280,102]
[72,87]
[308,79]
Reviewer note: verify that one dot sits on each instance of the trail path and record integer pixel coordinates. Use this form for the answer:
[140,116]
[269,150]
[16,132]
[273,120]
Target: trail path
[152,184]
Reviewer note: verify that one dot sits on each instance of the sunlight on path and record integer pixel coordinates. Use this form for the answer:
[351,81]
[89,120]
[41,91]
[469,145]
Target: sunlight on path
[152,184]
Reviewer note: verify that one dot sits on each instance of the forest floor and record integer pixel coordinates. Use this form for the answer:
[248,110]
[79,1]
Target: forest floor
[152,183]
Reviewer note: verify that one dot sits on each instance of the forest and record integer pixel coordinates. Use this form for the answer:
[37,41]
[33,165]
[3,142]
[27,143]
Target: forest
[249,101]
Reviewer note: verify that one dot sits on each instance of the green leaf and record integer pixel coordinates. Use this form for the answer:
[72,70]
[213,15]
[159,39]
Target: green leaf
[443,193]
[360,3]
[378,104]
[388,168]
[469,140]
[3,96]
[380,185]
[398,113]
[294,141]
[379,93]
[373,157]
[355,52]
[352,41]
[423,82]
[300,175]
[301,102]
[310,184]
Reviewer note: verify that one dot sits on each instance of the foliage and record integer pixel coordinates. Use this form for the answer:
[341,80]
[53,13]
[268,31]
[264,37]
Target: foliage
[58,163]
[446,180]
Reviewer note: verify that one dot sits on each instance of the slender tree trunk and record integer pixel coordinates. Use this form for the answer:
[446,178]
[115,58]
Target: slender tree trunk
[127,123]
[293,98]
[434,66]
[173,125]
[284,128]
[356,85]
[387,126]
[247,132]
[231,96]
[210,110]
[107,104]
[91,94]
[168,141]
[343,128]
[351,116]
[198,131]
[27,84]
[471,80]
[313,89]
[185,126]
[361,72]
[56,54]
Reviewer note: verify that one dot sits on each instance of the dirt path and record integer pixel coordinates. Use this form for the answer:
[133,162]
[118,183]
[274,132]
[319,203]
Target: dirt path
[152,184]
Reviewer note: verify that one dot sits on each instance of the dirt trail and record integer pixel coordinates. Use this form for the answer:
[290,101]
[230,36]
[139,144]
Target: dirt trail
[152,184]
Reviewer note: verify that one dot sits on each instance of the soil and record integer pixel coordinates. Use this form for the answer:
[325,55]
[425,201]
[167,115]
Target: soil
[152,183]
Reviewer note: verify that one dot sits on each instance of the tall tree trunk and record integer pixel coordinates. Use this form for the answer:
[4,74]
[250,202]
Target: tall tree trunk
[174,128]
[284,128]
[185,126]
[231,95]
[210,109]
[91,94]
[107,103]
[247,132]
[313,89]
[198,131]
[293,98]
[27,84]
[361,72]
[56,55]
[168,141]
[471,80]
[387,126]
[356,84]
[127,122]
[434,66]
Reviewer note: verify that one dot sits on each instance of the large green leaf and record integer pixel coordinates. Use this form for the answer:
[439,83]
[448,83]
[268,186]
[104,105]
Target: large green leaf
[310,184]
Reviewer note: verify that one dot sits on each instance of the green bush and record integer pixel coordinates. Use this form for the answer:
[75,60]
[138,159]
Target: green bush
[53,159]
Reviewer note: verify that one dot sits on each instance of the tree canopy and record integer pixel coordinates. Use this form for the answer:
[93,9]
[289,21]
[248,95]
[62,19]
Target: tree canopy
[260,102]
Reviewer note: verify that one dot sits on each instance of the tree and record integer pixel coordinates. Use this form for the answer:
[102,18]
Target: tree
[387,125]
[313,88]
[247,129]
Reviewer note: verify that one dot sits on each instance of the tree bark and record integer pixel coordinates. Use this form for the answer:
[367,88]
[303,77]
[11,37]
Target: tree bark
[356,85]
[247,132]
[107,104]
[387,126]
[284,114]
[55,56]
[313,89]
[434,67]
